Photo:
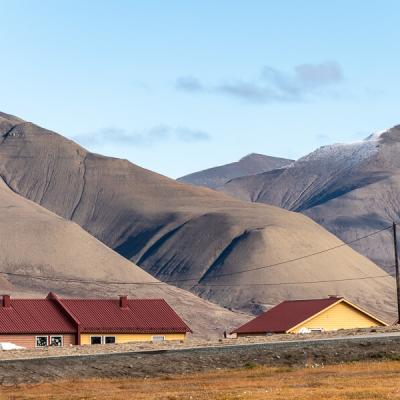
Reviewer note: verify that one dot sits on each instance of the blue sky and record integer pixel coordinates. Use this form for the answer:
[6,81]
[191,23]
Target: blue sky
[179,86]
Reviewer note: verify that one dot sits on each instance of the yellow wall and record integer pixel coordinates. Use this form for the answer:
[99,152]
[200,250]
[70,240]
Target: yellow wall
[134,337]
[340,316]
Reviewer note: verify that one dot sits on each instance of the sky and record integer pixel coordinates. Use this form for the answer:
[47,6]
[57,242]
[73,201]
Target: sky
[180,86]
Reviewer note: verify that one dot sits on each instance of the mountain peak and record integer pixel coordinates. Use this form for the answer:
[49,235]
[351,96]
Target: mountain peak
[375,136]
[11,118]
[253,156]
[349,154]
[391,135]
[250,164]
[257,157]
[345,155]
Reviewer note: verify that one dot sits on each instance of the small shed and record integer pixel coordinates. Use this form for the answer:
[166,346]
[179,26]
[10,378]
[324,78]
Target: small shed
[314,315]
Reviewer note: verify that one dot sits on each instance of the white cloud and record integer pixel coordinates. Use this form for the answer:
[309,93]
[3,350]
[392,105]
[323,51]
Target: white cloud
[152,136]
[273,85]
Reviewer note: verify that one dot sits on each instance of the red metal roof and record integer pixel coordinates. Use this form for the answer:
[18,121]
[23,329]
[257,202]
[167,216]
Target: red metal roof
[141,316]
[34,316]
[286,315]
[55,315]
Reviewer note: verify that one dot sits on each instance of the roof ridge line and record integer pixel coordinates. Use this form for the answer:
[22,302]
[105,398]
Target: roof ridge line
[53,296]
[316,299]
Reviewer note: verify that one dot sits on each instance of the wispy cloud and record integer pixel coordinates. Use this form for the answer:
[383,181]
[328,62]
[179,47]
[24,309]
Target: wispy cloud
[319,74]
[273,85]
[150,137]
[191,135]
[189,84]
[249,91]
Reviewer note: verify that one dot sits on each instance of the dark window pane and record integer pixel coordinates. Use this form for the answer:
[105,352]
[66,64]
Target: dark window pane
[41,341]
[56,341]
[110,339]
[95,340]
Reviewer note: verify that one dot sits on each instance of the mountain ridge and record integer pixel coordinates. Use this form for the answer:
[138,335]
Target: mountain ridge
[196,237]
[250,164]
[42,252]
[350,189]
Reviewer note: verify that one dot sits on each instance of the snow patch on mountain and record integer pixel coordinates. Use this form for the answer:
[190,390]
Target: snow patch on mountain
[376,135]
[344,155]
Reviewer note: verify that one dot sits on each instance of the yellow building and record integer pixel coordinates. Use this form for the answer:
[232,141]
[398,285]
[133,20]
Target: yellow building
[123,320]
[35,323]
[115,337]
[304,316]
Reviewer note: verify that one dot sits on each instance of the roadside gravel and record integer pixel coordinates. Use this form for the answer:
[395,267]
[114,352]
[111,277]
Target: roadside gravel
[162,362]
[190,343]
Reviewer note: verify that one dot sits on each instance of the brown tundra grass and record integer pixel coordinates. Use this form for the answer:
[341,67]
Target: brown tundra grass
[364,380]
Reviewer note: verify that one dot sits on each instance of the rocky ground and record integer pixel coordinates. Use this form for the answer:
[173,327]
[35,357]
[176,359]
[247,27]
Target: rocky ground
[148,360]
[190,343]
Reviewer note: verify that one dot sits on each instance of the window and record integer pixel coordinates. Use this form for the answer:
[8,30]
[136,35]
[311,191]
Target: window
[158,338]
[109,339]
[95,340]
[41,341]
[56,341]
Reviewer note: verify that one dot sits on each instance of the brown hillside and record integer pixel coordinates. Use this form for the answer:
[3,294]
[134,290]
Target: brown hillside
[36,242]
[350,189]
[180,232]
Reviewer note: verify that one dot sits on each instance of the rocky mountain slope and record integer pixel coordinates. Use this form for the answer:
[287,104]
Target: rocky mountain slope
[350,189]
[68,260]
[251,164]
[197,238]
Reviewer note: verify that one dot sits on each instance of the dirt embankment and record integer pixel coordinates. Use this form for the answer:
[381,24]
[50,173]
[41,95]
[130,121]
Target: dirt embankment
[190,343]
[167,362]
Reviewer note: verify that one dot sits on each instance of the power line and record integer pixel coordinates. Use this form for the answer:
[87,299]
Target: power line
[303,257]
[299,283]
[286,261]
[81,281]
[76,280]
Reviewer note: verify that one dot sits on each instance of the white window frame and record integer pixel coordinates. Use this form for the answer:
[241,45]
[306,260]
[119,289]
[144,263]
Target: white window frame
[107,336]
[158,336]
[41,336]
[60,336]
[101,339]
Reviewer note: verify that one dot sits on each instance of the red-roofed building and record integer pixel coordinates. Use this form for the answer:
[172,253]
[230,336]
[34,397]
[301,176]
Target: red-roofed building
[303,316]
[59,322]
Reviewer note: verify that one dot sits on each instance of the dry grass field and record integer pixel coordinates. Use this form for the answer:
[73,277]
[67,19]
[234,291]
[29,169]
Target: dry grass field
[366,380]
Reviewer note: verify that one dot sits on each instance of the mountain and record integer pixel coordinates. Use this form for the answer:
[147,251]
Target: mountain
[36,242]
[350,189]
[248,165]
[197,238]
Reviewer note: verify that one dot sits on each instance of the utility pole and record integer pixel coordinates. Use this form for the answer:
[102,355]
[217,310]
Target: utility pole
[396,263]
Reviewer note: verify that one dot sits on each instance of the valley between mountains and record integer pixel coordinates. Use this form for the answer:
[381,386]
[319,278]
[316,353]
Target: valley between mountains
[71,214]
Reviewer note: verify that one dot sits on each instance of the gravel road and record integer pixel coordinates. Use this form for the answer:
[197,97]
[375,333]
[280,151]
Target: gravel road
[165,362]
